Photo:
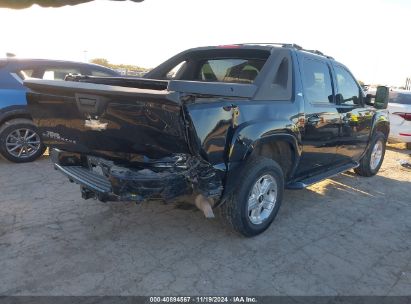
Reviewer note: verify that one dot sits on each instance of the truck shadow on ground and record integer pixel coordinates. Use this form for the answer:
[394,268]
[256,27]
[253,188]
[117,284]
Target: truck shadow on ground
[176,221]
[116,219]
[400,148]
[54,241]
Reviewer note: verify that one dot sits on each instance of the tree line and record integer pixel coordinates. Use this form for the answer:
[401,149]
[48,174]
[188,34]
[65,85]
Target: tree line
[129,67]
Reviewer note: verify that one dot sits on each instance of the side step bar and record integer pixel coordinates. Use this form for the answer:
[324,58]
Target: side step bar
[297,185]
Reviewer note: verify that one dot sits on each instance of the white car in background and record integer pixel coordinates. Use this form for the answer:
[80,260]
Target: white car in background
[399,107]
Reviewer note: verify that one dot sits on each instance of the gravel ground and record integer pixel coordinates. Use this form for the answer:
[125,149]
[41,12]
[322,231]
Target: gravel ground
[344,236]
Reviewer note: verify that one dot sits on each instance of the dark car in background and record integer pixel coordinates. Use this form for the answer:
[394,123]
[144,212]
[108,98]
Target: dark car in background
[19,138]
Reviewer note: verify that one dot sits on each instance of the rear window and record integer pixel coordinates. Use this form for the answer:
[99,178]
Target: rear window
[59,73]
[401,98]
[99,73]
[233,70]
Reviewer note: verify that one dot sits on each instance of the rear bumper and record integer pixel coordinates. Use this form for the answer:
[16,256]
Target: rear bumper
[400,137]
[92,184]
[136,188]
[400,132]
[118,183]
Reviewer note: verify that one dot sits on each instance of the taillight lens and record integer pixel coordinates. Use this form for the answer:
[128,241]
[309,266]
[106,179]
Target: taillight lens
[406,116]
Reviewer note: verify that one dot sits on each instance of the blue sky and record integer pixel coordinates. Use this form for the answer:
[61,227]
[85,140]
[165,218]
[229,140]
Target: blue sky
[370,37]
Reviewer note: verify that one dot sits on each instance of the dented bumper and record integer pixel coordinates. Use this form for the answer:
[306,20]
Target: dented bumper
[164,179]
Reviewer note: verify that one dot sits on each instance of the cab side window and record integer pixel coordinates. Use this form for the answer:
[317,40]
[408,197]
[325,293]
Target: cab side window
[317,81]
[349,92]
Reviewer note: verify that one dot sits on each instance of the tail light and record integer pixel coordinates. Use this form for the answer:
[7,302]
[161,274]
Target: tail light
[406,116]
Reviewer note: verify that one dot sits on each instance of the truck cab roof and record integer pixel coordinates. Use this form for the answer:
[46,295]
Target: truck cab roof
[262,46]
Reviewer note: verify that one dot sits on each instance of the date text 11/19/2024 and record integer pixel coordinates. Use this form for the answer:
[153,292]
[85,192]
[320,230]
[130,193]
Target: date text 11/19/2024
[205,299]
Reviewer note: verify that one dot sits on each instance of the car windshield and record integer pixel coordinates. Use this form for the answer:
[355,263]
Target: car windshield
[401,98]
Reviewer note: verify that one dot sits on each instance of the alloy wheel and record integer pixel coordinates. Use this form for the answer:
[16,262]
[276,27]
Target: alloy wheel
[262,199]
[23,143]
[376,154]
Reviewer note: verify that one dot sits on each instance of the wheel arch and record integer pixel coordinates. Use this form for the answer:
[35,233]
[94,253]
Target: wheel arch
[274,146]
[383,127]
[14,112]
[282,148]
[381,124]
[266,140]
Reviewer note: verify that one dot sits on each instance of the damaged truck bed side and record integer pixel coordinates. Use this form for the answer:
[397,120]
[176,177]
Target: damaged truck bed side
[231,125]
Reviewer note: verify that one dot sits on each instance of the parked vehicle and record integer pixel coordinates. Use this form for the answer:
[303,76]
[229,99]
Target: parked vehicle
[19,138]
[234,127]
[399,107]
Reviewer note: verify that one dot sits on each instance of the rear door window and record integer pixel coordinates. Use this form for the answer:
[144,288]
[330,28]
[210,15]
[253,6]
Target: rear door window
[230,70]
[317,81]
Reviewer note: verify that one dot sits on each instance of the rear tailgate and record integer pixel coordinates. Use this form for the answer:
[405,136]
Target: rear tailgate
[107,120]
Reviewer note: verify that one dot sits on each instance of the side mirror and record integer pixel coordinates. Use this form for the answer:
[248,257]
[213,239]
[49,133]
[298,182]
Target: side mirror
[381,97]
[339,98]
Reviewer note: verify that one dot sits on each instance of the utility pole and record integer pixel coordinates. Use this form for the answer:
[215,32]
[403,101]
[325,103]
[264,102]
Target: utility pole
[408,84]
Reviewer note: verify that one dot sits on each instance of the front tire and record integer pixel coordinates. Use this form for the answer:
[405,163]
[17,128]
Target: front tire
[257,197]
[373,158]
[20,141]
[408,145]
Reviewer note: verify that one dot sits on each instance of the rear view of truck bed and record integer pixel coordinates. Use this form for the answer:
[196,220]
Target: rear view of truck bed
[187,137]
[107,120]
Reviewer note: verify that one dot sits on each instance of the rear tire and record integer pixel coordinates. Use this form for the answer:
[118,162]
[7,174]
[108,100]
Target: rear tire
[374,157]
[254,203]
[20,141]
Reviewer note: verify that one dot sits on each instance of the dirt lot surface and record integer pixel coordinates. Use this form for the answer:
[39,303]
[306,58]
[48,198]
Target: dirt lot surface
[345,236]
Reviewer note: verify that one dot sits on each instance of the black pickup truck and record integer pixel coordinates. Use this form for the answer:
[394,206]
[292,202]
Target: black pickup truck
[227,126]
